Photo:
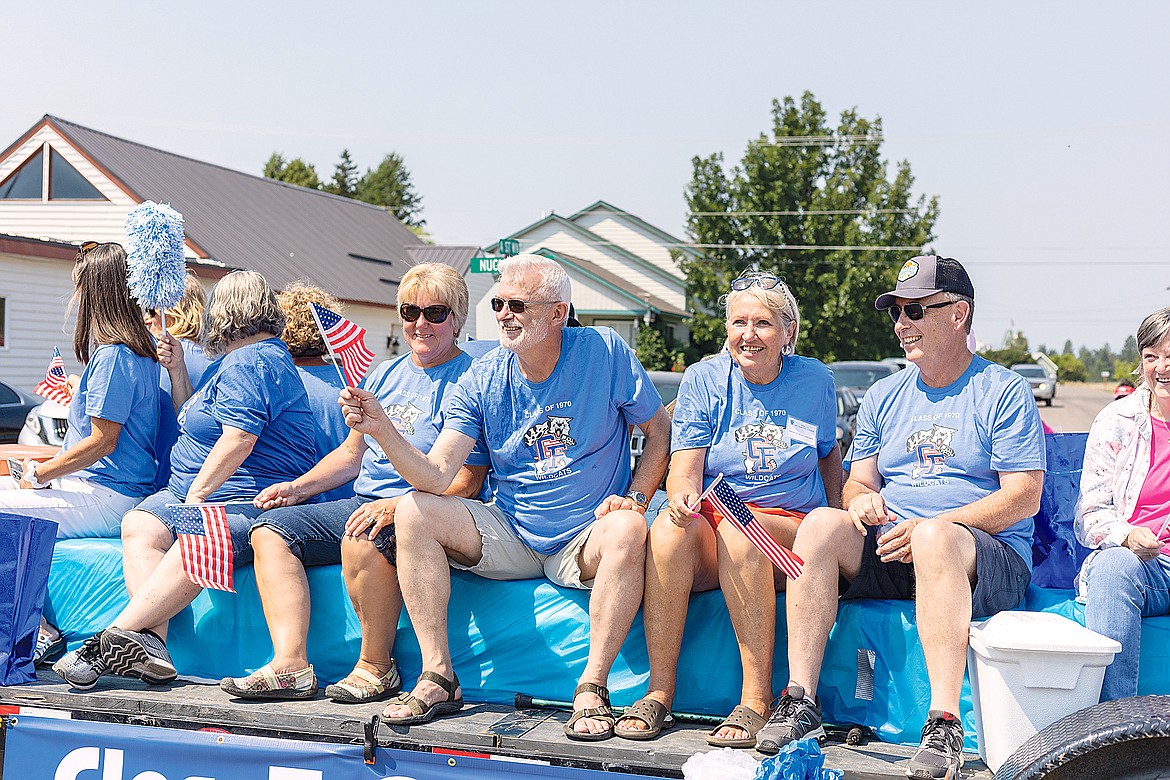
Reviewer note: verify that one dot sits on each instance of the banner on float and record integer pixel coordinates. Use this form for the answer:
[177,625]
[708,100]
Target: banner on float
[52,749]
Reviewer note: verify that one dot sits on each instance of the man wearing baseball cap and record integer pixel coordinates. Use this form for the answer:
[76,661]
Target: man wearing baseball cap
[946,472]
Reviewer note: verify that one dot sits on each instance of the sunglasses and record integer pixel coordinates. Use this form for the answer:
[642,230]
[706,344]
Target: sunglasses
[433,314]
[515,305]
[914,311]
[765,281]
[86,247]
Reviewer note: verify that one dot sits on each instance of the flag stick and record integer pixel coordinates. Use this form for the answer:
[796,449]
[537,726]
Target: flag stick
[336,362]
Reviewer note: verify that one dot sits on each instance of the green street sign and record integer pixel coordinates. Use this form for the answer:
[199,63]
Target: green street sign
[509,247]
[485,265]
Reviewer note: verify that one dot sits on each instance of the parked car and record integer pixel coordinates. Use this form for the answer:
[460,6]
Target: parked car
[1043,384]
[859,375]
[666,382]
[847,404]
[15,406]
[47,423]
[900,362]
[1123,389]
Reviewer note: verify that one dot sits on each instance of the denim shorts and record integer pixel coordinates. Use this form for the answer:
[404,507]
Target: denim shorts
[1001,576]
[240,517]
[314,531]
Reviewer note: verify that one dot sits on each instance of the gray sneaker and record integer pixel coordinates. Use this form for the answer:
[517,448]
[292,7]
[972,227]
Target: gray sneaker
[793,717]
[82,667]
[940,755]
[50,643]
[140,654]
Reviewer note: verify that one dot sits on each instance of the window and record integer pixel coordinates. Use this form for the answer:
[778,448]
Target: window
[66,183]
[25,183]
[8,395]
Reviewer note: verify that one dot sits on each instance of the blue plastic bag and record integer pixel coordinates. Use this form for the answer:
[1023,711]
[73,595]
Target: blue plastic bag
[1056,554]
[799,760]
[26,553]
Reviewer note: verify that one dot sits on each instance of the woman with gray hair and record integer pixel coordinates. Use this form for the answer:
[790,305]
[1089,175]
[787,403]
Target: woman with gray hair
[247,427]
[1124,510]
[765,419]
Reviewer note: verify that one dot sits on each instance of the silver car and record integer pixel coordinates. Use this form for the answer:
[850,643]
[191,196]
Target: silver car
[46,424]
[1043,384]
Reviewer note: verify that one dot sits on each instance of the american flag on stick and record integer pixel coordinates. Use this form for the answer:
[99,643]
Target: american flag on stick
[55,386]
[732,507]
[205,544]
[347,341]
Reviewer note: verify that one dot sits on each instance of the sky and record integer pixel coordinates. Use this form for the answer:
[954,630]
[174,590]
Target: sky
[1042,127]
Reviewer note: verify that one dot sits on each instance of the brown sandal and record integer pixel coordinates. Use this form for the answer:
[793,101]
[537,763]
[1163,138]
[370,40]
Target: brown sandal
[423,712]
[651,712]
[603,713]
[740,718]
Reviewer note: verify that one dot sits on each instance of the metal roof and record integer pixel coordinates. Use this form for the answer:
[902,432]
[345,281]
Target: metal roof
[458,257]
[357,251]
[631,291]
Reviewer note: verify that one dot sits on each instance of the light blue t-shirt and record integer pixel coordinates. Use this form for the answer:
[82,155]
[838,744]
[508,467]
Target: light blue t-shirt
[943,448]
[196,361]
[414,399]
[323,387]
[765,439]
[122,387]
[558,448]
[257,389]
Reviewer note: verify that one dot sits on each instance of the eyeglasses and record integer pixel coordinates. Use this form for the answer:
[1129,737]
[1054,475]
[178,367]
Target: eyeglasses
[914,311]
[515,305]
[765,281]
[433,314]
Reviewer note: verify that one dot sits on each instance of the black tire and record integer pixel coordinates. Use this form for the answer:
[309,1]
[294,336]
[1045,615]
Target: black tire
[1127,739]
[1048,402]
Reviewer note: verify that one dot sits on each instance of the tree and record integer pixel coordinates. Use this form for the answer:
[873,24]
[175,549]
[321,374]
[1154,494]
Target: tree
[295,171]
[389,186]
[1129,350]
[1069,368]
[807,185]
[650,346]
[1068,348]
[345,177]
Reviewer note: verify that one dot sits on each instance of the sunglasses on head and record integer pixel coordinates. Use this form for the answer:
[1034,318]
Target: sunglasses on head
[914,311]
[433,314]
[765,281]
[515,305]
[86,247]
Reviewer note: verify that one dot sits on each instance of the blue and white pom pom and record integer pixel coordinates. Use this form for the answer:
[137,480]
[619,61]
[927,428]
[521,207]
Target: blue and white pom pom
[157,271]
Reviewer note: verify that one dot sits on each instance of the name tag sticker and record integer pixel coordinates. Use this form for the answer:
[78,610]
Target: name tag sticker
[800,431]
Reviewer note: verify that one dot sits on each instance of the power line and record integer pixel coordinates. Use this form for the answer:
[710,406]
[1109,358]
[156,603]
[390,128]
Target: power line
[795,213]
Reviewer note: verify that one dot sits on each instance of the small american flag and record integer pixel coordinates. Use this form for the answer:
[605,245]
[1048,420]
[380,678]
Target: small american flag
[205,544]
[732,507]
[55,386]
[347,341]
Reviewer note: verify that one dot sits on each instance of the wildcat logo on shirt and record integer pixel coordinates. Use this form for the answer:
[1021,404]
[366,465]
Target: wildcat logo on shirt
[551,441]
[761,442]
[404,416]
[933,446]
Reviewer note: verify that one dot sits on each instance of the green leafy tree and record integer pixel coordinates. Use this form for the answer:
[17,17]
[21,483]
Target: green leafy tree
[389,186]
[1015,350]
[650,346]
[1068,367]
[345,178]
[1123,369]
[1129,350]
[295,171]
[1089,361]
[1068,348]
[807,184]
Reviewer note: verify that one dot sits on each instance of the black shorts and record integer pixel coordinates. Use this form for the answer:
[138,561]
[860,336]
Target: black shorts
[1001,576]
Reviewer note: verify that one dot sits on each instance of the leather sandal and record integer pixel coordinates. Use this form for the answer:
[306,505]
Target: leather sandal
[740,718]
[423,712]
[651,712]
[602,713]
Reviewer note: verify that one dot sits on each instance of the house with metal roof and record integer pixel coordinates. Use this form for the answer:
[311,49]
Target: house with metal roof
[624,271]
[62,182]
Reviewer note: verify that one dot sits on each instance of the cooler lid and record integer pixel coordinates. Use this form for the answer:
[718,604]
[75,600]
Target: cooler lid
[1042,631]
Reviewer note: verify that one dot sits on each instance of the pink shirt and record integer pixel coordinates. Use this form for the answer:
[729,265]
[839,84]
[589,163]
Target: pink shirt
[1153,504]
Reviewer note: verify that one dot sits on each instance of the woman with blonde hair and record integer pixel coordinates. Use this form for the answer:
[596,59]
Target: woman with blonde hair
[185,323]
[247,427]
[358,532]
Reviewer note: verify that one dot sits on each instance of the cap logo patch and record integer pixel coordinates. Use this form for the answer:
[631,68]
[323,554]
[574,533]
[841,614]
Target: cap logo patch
[909,271]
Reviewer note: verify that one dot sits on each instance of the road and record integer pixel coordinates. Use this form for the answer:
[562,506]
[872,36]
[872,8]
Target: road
[1076,405]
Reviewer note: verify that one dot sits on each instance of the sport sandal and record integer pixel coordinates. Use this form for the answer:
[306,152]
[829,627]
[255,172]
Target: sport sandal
[651,712]
[423,712]
[603,713]
[361,686]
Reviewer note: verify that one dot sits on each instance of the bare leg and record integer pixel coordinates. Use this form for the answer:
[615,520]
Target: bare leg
[284,592]
[429,528]
[144,542]
[614,557]
[830,546]
[679,561]
[372,584]
[944,566]
[159,598]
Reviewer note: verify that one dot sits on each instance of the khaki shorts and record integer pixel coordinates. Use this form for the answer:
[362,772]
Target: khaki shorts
[507,557]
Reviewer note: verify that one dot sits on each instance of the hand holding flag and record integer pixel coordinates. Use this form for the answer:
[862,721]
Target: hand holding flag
[346,340]
[55,385]
[205,543]
[732,507]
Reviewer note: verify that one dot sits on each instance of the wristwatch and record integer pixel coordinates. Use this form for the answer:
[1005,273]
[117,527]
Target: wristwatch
[638,497]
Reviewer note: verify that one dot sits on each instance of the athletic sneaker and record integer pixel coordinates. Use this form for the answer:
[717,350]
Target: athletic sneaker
[141,654]
[82,667]
[49,643]
[940,755]
[793,717]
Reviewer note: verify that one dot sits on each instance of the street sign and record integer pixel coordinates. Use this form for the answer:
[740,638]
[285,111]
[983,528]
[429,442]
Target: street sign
[509,247]
[486,265]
